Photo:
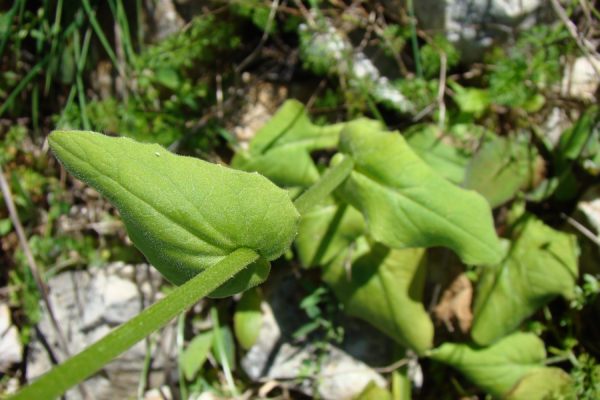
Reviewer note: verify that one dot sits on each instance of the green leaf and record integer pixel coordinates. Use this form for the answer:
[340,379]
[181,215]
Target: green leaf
[501,168]
[543,384]
[195,354]
[325,231]
[574,141]
[226,338]
[541,264]
[447,160]
[5,226]
[286,166]
[406,204]
[184,214]
[247,319]
[470,100]
[374,392]
[495,369]
[281,149]
[385,288]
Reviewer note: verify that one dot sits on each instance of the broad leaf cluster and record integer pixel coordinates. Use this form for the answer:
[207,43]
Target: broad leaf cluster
[370,234]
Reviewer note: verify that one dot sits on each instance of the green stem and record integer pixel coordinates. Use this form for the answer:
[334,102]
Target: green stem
[413,38]
[92,359]
[327,184]
[22,84]
[180,344]
[91,14]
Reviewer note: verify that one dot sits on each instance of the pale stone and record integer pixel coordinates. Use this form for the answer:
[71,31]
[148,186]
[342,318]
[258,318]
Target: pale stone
[474,25]
[581,78]
[11,349]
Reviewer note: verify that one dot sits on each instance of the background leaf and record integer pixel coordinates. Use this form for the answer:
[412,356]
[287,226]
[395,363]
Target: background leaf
[374,392]
[226,338]
[501,168]
[576,140]
[546,383]
[195,354]
[406,204]
[495,369]
[541,264]
[247,319]
[327,230]
[281,149]
[447,160]
[184,214]
[385,288]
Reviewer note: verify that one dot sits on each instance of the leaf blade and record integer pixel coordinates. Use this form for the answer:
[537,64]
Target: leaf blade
[541,264]
[406,204]
[183,213]
[495,369]
[385,288]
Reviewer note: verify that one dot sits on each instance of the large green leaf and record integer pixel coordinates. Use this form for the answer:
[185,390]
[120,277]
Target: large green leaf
[495,369]
[281,149]
[447,160]
[385,288]
[501,168]
[407,204]
[541,264]
[184,214]
[325,231]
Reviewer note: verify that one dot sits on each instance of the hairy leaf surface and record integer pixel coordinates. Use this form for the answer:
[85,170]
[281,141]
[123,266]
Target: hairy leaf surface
[183,213]
[541,264]
[407,204]
[385,288]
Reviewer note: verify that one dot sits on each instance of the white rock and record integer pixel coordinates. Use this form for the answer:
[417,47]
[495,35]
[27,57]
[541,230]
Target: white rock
[581,79]
[590,206]
[89,304]
[165,19]
[164,393]
[474,25]
[333,48]
[341,373]
[11,349]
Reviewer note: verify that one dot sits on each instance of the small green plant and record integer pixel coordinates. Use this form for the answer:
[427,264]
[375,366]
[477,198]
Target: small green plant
[366,220]
[519,77]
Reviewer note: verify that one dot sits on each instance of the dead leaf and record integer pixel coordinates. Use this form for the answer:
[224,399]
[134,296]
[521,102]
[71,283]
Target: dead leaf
[455,305]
